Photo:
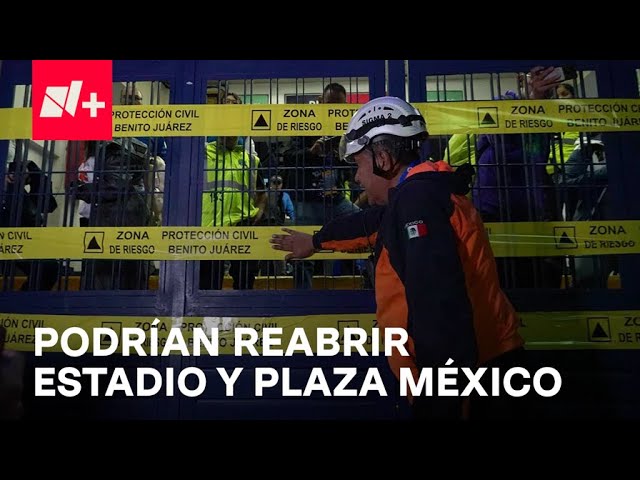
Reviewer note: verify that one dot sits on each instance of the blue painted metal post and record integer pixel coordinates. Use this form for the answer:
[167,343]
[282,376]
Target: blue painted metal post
[396,75]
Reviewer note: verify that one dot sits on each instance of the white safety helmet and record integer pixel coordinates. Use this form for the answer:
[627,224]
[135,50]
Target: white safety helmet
[382,116]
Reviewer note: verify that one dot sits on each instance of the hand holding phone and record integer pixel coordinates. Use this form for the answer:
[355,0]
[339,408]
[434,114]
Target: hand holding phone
[543,79]
[561,74]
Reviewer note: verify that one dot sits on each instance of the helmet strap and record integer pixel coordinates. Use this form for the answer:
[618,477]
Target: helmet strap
[386,174]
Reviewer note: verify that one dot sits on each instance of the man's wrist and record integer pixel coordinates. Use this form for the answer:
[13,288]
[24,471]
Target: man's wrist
[317,244]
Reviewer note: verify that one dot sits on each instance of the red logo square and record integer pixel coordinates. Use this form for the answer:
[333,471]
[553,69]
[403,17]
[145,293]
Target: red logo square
[72,100]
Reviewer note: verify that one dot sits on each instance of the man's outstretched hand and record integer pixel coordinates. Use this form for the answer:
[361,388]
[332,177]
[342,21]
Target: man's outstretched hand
[299,244]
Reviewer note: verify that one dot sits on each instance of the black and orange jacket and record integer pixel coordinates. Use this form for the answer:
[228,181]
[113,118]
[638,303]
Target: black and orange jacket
[438,281]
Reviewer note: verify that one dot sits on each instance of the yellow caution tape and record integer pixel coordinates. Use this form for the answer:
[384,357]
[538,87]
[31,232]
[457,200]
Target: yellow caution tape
[149,243]
[618,330]
[518,239]
[505,116]
[548,239]
[15,123]
[204,120]
[615,330]
[532,116]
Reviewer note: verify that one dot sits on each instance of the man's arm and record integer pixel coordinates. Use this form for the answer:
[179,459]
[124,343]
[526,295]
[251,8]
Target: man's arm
[352,232]
[347,233]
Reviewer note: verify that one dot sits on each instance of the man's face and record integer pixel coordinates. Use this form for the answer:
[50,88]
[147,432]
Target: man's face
[276,183]
[376,187]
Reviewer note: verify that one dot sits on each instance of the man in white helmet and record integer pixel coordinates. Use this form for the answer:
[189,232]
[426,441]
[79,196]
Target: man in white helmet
[435,274]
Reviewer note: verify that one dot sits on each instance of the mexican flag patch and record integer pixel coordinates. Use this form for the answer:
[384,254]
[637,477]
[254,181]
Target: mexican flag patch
[416,230]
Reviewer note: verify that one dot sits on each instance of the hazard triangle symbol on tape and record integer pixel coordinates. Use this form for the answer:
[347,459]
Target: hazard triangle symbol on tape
[599,332]
[94,245]
[565,238]
[488,120]
[599,329]
[261,122]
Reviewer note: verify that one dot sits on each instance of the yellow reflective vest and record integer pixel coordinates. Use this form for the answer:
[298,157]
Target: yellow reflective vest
[229,186]
[563,146]
[461,149]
